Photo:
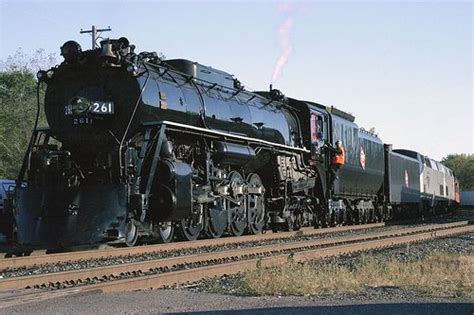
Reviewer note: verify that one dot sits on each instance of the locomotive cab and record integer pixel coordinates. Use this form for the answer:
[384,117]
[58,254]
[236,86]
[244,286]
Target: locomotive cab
[318,136]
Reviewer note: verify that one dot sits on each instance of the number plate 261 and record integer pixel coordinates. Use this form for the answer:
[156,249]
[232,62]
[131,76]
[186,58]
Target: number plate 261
[102,108]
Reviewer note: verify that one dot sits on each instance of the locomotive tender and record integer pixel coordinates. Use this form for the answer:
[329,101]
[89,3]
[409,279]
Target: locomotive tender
[138,146]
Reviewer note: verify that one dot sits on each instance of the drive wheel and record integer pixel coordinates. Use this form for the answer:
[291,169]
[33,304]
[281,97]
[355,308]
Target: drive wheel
[255,206]
[131,234]
[166,231]
[190,228]
[217,219]
[237,215]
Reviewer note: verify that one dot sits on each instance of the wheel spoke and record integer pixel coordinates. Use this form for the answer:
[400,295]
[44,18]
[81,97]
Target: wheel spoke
[237,215]
[255,206]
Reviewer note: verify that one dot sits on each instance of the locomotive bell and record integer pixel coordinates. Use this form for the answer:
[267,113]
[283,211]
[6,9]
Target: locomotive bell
[107,51]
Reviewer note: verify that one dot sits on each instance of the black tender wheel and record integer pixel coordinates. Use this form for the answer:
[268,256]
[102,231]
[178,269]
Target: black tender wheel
[327,219]
[316,221]
[297,222]
[255,206]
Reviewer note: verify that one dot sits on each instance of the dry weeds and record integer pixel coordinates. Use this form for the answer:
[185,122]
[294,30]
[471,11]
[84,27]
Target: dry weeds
[437,275]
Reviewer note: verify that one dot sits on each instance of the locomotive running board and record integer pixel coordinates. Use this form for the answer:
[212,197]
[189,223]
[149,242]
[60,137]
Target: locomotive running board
[225,134]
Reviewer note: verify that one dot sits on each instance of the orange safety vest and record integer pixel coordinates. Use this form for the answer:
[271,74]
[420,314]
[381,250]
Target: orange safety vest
[340,157]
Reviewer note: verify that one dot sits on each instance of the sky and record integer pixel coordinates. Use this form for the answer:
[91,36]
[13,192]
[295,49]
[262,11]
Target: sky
[404,68]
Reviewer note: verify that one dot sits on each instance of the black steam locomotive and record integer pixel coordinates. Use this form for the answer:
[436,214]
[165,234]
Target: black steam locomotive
[138,146]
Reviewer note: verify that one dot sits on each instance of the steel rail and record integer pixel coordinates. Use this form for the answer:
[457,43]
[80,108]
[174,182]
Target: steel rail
[224,256]
[43,258]
[40,257]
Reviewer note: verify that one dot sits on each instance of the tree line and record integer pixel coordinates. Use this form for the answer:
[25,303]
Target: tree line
[18,103]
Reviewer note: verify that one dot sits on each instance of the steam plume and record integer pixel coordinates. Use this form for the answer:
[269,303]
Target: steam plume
[285,47]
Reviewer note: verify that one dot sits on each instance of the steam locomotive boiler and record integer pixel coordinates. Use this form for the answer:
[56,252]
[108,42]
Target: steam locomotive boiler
[142,147]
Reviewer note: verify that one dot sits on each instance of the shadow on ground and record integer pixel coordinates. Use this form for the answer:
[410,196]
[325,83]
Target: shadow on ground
[385,309]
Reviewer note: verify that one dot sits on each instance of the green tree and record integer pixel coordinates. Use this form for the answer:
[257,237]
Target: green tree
[463,167]
[18,106]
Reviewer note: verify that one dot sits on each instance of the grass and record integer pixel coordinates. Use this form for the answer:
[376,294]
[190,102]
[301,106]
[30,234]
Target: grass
[437,275]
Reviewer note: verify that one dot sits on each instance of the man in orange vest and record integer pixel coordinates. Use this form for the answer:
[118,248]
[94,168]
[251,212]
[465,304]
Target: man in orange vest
[338,158]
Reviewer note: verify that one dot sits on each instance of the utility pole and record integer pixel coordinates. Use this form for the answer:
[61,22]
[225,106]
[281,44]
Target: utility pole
[95,32]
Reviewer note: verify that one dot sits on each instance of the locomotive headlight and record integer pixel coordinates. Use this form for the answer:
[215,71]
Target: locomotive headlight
[80,105]
[44,76]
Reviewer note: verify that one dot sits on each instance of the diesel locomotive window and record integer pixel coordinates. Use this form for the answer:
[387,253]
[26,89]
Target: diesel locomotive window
[428,163]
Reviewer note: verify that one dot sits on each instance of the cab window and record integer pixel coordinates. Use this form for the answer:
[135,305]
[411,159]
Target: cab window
[316,127]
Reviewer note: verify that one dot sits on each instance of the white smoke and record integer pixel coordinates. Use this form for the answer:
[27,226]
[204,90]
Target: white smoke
[284,33]
[288,7]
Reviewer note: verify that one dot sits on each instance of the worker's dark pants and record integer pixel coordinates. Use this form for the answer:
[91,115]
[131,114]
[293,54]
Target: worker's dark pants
[334,170]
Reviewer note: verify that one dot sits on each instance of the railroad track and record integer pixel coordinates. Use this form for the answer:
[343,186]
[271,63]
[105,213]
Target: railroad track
[14,258]
[156,273]
[40,257]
